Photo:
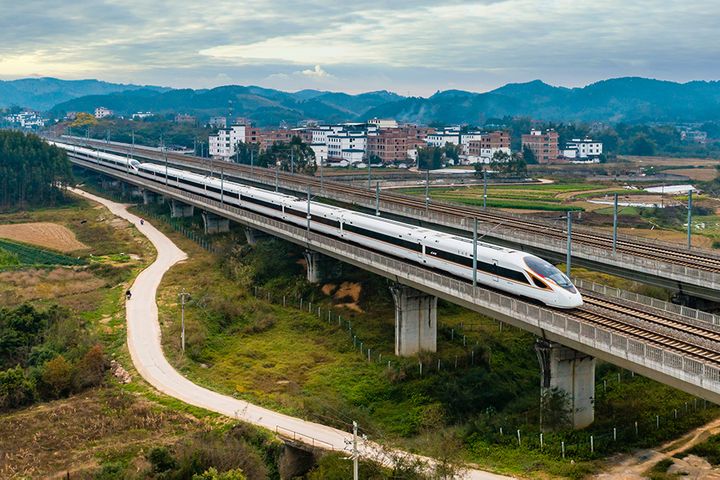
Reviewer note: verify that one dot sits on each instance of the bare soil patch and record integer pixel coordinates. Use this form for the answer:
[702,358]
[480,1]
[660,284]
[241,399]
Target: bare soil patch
[698,174]
[43,234]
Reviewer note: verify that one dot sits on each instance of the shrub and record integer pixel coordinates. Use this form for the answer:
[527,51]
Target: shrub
[212,474]
[161,459]
[57,375]
[16,389]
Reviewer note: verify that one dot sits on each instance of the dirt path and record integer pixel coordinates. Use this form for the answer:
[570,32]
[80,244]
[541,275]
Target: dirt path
[632,468]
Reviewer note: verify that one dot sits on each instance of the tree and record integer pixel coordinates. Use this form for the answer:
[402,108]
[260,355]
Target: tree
[508,165]
[31,171]
[83,119]
[529,155]
[642,145]
[57,376]
[16,389]
[297,156]
[246,152]
[452,152]
[429,158]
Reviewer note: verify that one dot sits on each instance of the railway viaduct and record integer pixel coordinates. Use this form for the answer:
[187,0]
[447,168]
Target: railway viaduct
[678,346]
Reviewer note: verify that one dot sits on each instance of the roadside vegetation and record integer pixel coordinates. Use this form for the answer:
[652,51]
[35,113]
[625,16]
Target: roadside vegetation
[242,341]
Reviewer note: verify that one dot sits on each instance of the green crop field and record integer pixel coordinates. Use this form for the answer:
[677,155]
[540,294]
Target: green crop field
[14,253]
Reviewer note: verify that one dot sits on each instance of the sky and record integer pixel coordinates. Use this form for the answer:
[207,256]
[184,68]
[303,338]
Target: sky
[408,47]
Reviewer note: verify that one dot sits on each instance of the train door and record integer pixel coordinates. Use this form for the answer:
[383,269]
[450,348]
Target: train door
[495,270]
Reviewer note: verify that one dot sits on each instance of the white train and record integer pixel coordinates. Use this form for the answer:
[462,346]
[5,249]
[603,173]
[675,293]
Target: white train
[512,271]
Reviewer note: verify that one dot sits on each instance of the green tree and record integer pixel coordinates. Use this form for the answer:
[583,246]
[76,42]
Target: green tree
[246,153]
[297,156]
[430,158]
[57,375]
[642,145]
[16,389]
[31,171]
[529,155]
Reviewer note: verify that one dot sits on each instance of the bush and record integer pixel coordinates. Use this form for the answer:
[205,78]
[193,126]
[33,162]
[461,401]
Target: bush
[161,459]
[57,376]
[212,474]
[16,389]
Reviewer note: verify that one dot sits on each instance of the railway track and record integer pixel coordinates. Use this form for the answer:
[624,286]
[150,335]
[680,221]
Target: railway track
[608,314]
[687,339]
[654,252]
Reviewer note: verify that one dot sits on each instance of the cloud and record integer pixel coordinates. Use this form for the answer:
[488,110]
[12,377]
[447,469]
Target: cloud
[415,46]
[316,72]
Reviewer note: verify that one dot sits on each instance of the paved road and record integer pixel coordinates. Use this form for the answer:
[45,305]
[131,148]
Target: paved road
[147,356]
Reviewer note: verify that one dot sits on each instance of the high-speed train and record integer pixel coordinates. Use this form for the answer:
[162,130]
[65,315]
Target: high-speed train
[512,271]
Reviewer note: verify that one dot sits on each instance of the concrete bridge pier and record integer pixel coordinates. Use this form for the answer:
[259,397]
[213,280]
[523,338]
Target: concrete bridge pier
[315,263]
[253,236]
[215,223]
[149,196]
[572,373]
[415,321]
[179,209]
[109,183]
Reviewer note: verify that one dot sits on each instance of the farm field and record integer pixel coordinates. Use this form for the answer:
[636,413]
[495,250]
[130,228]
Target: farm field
[43,234]
[546,196]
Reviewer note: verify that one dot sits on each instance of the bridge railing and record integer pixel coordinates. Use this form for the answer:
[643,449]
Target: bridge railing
[610,343]
[681,310]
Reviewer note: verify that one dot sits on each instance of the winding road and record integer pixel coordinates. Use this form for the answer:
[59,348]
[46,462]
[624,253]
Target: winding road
[147,355]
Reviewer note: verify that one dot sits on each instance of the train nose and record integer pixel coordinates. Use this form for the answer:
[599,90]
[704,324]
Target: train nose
[568,299]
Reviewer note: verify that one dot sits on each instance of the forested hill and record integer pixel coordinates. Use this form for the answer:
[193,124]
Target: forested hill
[617,100]
[31,171]
[43,93]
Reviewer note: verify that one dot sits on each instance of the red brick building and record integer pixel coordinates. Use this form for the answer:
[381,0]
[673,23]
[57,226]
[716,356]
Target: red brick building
[543,145]
[266,138]
[490,143]
[392,144]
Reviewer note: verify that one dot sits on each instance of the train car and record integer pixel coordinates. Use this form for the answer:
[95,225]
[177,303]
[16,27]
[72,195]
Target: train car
[505,269]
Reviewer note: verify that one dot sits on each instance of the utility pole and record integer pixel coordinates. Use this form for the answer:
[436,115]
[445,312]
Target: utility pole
[427,189]
[322,184]
[292,158]
[222,185]
[569,244]
[183,296]
[484,189]
[369,175]
[252,161]
[162,146]
[377,199]
[474,262]
[308,212]
[355,454]
[615,222]
[689,229]
[277,170]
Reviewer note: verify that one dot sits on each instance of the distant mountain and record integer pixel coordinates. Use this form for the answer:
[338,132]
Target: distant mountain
[264,106]
[43,93]
[627,99]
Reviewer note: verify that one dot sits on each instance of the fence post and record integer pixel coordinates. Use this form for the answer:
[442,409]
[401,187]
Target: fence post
[592,444]
[518,435]
[562,447]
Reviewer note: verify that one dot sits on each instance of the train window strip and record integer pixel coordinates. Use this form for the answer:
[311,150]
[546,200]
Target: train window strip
[489,268]
[383,238]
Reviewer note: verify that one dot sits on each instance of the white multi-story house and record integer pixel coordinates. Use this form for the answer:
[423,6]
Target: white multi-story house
[347,145]
[583,148]
[102,112]
[383,123]
[222,144]
[441,137]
